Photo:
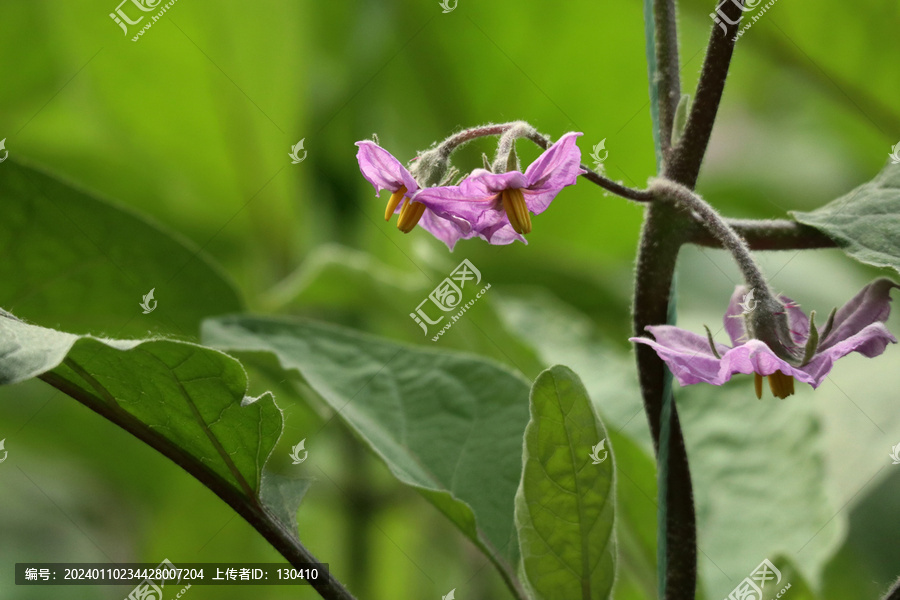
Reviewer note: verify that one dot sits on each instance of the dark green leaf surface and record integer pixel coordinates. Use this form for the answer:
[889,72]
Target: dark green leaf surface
[193,397]
[448,424]
[565,505]
[865,222]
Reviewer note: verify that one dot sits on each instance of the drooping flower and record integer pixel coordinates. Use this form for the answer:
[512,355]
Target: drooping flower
[858,326]
[385,172]
[498,206]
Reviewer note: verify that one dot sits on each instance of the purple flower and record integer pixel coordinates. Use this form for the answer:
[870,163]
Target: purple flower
[497,206]
[385,172]
[858,326]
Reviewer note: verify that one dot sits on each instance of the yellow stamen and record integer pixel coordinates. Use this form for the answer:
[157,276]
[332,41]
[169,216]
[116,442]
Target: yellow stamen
[516,210]
[757,383]
[410,215]
[781,385]
[395,199]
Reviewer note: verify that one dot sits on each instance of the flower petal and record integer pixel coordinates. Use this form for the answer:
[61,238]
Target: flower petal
[690,359]
[558,167]
[871,305]
[447,230]
[454,203]
[382,170]
[798,321]
[869,342]
[482,183]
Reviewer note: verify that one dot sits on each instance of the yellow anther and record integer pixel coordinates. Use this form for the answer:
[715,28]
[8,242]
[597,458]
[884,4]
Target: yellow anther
[410,215]
[781,385]
[395,199]
[516,210]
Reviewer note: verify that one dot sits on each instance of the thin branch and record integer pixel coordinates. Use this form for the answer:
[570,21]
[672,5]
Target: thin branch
[780,234]
[669,83]
[685,159]
[284,541]
[716,226]
[594,177]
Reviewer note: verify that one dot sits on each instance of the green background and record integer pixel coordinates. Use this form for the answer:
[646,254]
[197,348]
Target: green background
[192,125]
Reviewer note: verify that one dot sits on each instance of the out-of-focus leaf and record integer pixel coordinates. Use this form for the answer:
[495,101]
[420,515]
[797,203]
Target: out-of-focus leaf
[84,264]
[865,222]
[177,396]
[565,505]
[447,424]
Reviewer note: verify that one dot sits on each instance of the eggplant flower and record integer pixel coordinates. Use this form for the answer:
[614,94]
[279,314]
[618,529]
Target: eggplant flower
[858,326]
[385,172]
[498,206]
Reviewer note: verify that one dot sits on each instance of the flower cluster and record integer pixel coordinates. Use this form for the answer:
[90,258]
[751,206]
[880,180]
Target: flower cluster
[496,207]
[858,326]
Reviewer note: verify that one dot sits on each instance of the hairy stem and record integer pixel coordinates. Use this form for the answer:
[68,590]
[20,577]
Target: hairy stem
[683,164]
[669,79]
[249,508]
[716,226]
[769,235]
[660,242]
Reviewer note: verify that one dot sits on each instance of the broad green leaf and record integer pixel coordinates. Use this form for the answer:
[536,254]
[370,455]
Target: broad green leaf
[449,425]
[179,397]
[565,505]
[83,264]
[865,222]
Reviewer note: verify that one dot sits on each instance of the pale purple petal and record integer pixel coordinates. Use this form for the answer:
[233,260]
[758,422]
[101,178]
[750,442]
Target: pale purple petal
[798,321]
[382,170]
[501,234]
[484,183]
[452,202]
[756,357]
[872,304]
[689,367]
[869,342]
[559,166]
[448,231]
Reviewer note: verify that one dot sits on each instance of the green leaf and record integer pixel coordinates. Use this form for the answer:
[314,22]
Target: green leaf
[449,425]
[83,264]
[177,396]
[866,222]
[565,505]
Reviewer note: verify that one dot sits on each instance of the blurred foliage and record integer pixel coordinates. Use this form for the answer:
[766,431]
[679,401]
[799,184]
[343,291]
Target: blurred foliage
[192,125]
